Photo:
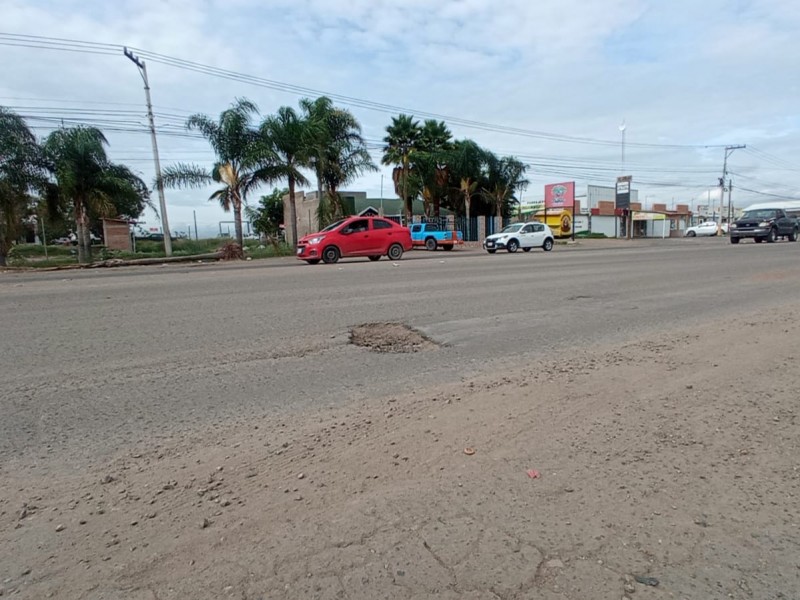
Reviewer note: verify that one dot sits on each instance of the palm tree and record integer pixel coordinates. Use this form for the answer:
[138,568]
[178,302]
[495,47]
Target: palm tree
[504,177]
[235,144]
[346,156]
[316,114]
[20,171]
[337,151]
[401,141]
[430,163]
[467,160]
[285,140]
[434,136]
[87,180]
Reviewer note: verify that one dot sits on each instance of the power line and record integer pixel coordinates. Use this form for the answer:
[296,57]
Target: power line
[50,43]
[782,197]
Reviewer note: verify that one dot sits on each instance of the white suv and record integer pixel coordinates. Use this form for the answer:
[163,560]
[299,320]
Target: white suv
[520,235]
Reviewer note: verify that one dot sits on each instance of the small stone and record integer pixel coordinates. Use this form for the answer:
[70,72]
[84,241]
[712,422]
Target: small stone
[301,475]
[107,479]
[134,523]
[206,523]
[629,588]
[151,515]
[554,564]
[26,571]
[60,527]
[298,498]
[644,580]
[689,387]
[227,589]
[401,573]
[82,522]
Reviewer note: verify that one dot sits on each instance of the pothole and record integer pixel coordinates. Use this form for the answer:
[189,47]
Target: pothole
[390,337]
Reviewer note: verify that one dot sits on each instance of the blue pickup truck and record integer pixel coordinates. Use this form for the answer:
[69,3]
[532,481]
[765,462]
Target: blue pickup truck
[432,236]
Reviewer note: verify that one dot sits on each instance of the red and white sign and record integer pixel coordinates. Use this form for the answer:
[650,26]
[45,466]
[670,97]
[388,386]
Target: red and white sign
[559,195]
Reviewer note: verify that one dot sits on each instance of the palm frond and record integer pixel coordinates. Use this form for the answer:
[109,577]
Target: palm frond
[184,175]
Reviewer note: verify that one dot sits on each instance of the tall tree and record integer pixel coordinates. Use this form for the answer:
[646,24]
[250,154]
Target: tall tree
[430,167]
[285,137]
[238,158]
[87,180]
[267,216]
[504,177]
[346,156]
[317,114]
[20,172]
[337,151]
[467,160]
[401,140]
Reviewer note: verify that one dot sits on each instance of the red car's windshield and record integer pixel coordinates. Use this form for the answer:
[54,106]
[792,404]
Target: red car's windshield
[333,226]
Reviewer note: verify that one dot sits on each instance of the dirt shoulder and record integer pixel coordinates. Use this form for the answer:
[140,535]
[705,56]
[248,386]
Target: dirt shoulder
[673,458]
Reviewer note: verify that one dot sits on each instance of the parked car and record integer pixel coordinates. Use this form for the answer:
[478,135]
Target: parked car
[764,224]
[432,236]
[520,235]
[707,228]
[372,237]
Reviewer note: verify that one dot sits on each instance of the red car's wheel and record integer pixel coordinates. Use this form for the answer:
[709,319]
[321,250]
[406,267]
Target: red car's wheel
[330,255]
[395,252]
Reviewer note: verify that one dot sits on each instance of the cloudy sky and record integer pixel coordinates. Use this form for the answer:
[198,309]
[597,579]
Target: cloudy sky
[686,77]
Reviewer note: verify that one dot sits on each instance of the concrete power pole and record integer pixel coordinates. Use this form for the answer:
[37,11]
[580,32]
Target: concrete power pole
[159,184]
[728,151]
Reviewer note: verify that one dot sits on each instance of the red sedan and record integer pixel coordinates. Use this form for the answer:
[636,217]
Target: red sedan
[355,236]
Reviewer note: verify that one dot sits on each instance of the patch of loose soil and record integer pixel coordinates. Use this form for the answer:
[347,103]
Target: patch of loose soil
[390,337]
[668,460]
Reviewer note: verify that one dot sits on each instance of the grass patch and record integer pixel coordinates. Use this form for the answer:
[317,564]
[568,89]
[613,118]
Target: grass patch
[591,236]
[32,255]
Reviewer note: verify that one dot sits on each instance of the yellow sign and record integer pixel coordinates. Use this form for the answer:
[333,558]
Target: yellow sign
[648,216]
[559,222]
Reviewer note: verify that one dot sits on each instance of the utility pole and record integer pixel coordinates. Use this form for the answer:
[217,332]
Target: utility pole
[730,206]
[728,151]
[159,184]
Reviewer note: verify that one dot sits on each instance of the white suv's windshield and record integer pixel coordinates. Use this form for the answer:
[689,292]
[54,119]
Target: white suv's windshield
[512,228]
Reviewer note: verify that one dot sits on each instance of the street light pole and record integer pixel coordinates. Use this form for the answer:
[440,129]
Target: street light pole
[728,151]
[159,184]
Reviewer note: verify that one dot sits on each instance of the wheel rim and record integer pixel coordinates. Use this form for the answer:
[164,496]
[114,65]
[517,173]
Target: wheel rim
[548,245]
[331,255]
[512,246]
[430,244]
[395,252]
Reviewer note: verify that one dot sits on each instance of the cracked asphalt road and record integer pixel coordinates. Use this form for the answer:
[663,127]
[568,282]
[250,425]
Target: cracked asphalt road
[209,432]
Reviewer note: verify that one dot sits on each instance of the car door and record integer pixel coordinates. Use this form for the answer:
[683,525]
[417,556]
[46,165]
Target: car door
[383,235]
[354,238]
[707,228]
[538,236]
[527,238]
